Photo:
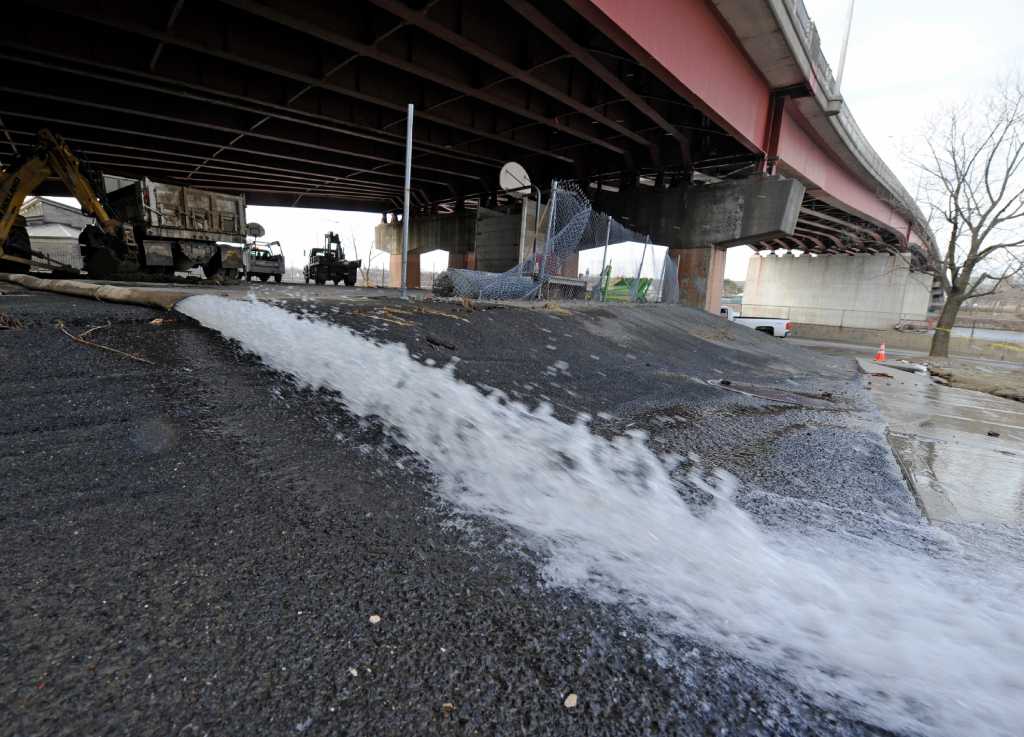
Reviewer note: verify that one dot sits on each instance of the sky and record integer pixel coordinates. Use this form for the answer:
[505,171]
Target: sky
[907,59]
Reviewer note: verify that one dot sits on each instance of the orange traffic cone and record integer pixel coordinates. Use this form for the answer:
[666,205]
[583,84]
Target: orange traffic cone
[880,356]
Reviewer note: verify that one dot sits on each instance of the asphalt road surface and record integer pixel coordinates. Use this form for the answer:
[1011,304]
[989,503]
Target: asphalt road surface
[195,546]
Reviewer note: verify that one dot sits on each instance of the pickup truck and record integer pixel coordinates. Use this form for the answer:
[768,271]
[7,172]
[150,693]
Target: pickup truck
[263,260]
[777,326]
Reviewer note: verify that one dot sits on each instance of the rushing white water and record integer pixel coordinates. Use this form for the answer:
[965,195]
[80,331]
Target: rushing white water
[914,640]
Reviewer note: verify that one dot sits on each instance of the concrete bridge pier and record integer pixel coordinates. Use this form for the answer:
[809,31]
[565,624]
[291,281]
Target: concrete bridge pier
[701,275]
[461,260]
[412,270]
[452,232]
[699,221]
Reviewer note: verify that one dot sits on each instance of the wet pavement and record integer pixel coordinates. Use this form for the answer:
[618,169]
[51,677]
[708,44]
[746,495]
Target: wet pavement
[963,450]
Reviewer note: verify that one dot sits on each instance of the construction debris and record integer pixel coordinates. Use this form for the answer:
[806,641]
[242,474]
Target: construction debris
[438,343]
[80,338]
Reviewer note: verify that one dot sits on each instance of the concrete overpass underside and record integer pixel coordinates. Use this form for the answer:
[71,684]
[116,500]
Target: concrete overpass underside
[302,103]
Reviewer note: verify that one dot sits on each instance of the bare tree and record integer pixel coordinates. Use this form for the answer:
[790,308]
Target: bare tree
[367,262]
[973,178]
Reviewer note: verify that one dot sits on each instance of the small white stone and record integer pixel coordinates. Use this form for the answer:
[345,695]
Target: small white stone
[354,672]
[570,701]
[374,619]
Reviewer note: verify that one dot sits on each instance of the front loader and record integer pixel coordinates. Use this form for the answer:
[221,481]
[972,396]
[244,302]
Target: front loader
[112,242]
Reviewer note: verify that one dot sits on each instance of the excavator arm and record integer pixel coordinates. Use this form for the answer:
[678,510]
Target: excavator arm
[16,183]
[66,165]
[51,157]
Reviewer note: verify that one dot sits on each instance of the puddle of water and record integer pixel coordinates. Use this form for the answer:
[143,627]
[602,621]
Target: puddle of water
[897,624]
[961,473]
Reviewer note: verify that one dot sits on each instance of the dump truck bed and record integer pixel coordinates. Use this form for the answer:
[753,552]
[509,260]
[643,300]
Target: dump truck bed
[175,212]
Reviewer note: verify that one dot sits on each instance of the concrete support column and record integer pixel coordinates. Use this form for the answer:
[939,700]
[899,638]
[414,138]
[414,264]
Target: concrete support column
[412,271]
[570,266]
[701,276]
[457,260]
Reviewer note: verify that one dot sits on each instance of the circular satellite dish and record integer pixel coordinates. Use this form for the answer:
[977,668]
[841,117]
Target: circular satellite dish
[514,179]
[255,230]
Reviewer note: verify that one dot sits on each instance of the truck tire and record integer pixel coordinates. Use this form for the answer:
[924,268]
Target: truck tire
[350,280]
[277,278]
[248,276]
[263,277]
[212,269]
[336,281]
[307,280]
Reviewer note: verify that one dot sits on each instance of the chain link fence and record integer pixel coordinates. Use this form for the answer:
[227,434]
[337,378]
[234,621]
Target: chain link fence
[571,224]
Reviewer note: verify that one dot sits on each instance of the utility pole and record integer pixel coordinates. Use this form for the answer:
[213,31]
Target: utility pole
[405,206]
[846,44]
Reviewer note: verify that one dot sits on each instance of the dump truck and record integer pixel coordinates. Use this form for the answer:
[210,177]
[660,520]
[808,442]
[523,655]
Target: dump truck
[263,260]
[329,264]
[176,228]
[143,230]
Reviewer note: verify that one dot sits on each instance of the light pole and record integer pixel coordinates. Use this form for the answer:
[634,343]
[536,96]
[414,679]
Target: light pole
[846,43]
[405,206]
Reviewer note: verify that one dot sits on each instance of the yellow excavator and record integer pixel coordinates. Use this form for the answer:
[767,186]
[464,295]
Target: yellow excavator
[52,157]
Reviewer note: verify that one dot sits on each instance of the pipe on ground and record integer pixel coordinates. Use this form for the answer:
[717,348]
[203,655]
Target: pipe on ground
[164,299]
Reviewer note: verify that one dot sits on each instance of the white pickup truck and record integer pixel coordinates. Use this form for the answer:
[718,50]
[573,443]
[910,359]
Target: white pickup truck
[777,326]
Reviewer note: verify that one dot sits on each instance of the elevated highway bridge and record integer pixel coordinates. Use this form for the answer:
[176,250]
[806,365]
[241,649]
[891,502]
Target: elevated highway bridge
[302,103]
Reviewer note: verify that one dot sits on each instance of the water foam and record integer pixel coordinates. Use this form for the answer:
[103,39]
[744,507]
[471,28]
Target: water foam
[916,641]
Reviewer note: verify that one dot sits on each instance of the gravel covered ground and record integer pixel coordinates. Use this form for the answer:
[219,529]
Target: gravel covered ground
[195,546]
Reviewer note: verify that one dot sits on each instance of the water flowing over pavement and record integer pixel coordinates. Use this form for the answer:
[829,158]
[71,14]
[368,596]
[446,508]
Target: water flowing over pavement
[962,449]
[885,626]
[199,546]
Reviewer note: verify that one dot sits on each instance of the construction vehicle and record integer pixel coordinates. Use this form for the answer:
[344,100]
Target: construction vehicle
[51,157]
[329,263]
[178,228]
[263,260]
[161,228]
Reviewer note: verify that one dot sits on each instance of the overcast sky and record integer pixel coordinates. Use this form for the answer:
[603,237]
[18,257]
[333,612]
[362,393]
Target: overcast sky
[908,58]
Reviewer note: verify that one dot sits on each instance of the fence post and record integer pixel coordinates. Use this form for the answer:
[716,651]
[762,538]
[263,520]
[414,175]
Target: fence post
[604,256]
[547,243]
[635,290]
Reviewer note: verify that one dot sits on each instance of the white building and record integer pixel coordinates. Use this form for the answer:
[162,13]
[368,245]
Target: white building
[53,229]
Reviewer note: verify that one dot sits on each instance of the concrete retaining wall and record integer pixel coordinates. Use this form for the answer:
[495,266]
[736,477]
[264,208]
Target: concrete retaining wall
[875,291]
